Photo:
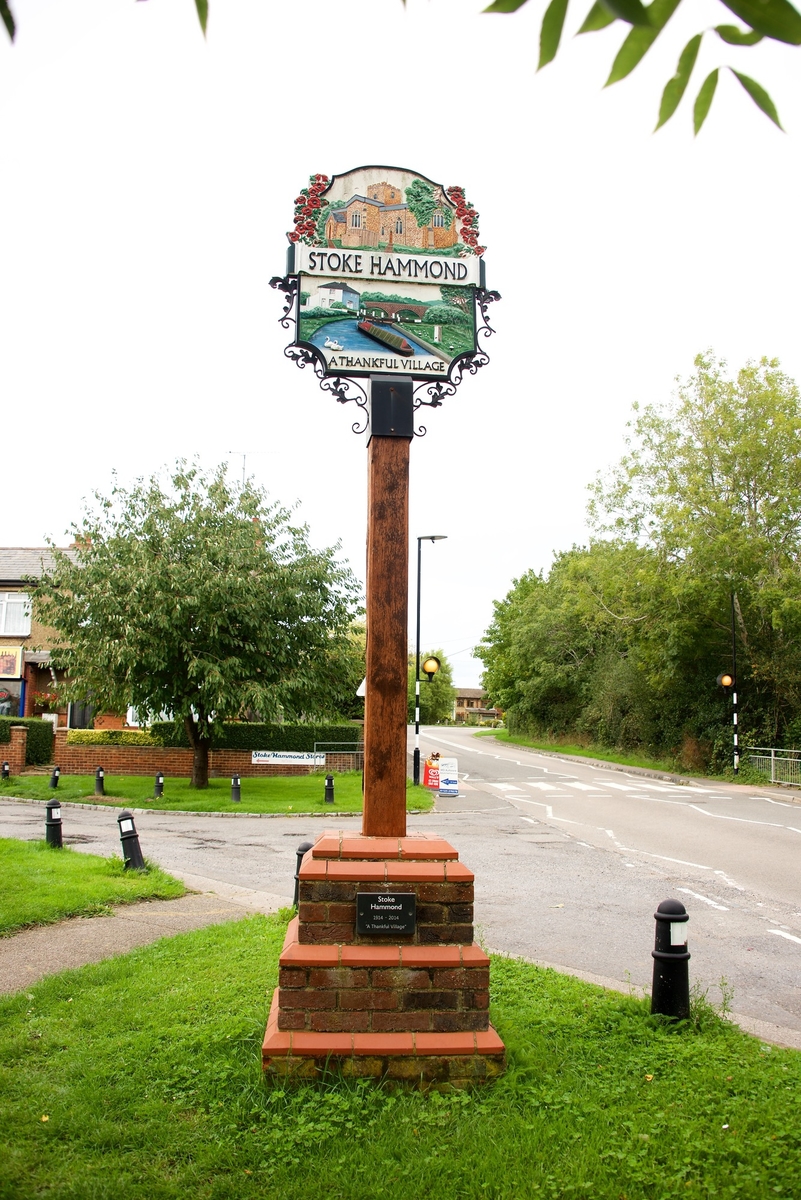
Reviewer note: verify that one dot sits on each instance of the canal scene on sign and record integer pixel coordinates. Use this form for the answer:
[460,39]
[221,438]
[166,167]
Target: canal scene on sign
[421,329]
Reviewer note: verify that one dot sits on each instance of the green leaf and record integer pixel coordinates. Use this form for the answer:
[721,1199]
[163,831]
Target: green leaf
[703,101]
[202,7]
[7,18]
[598,17]
[630,11]
[677,86]
[759,96]
[551,31]
[737,37]
[773,18]
[640,40]
[505,6]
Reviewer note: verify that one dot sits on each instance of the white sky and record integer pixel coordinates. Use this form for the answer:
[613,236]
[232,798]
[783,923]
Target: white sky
[148,179]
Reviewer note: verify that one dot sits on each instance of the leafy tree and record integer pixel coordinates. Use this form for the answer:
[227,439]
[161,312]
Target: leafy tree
[421,201]
[446,314]
[622,641]
[462,297]
[775,19]
[436,698]
[201,600]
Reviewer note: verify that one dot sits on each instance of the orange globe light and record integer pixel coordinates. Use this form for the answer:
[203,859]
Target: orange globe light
[725,680]
[431,666]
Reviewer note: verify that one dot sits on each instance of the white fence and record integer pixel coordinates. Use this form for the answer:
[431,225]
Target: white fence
[781,766]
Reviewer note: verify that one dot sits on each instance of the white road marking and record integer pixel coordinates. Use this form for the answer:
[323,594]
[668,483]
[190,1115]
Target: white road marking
[584,787]
[730,882]
[544,787]
[621,787]
[706,900]
[530,820]
[665,858]
[790,936]
[506,787]
[746,820]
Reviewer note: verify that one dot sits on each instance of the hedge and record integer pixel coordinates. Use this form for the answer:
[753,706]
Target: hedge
[111,737]
[40,738]
[239,735]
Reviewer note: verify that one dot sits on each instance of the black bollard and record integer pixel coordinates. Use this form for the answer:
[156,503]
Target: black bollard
[54,778]
[100,787]
[53,835]
[131,852]
[6,771]
[329,789]
[302,848]
[158,787]
[236,790]
[670,993]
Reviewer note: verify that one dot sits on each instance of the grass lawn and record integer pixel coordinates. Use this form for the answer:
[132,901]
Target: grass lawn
[139,1079]
[276,794]
[746,775]
[39,885]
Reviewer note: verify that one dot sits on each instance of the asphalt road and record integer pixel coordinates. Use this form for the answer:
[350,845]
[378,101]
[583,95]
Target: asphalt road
[570,861]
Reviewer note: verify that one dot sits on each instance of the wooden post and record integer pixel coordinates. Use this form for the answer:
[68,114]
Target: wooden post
[385,708]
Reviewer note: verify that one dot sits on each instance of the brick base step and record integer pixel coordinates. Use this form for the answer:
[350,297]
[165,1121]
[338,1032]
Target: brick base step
[436,1060]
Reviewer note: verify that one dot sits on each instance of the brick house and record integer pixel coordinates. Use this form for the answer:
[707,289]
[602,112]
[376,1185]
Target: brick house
[382,218]
[469,707]
[26,676]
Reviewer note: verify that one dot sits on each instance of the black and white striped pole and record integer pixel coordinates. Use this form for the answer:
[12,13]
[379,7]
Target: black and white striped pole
[430,537]
[728,680]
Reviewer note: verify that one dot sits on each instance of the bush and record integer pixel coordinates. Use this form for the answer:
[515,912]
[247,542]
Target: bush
[40,738]
[446,314]
[111,737]
[241,735]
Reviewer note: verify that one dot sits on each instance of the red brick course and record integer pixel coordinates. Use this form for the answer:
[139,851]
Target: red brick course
[147,760]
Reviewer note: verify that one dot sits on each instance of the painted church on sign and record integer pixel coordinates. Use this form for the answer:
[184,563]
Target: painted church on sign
[382,217]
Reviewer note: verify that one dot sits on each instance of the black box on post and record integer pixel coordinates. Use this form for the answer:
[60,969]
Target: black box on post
[391,406]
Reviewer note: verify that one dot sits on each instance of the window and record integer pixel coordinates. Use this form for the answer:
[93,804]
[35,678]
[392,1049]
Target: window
[399,226]
[439,221]
[15,614]
[356,220]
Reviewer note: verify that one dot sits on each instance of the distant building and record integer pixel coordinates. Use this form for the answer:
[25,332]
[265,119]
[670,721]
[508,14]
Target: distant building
[469,707]
[27,681]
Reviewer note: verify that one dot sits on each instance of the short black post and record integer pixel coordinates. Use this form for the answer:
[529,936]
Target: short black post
[329,789]
[53,835]
[670,993]
[6,771]
[236,789]
[54,778]
[158,787]
[100,787]
[131,851]
[302,848]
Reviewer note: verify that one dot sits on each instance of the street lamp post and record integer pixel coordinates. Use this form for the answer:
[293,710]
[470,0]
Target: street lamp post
[728,680]
[430,537]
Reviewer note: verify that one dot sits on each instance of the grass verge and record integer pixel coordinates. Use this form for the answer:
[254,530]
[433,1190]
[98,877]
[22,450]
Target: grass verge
[39,885]
[668,766]
[274,794]
[139,1079]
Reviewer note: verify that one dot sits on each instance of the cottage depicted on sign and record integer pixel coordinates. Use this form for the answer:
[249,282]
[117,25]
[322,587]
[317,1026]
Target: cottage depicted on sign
[388,264]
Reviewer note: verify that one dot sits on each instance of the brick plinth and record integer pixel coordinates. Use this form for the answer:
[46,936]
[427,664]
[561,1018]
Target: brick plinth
[415,1009]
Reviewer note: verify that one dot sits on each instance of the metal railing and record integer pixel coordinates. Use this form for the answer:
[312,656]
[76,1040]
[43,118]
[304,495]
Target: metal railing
[781,766]
[354,748]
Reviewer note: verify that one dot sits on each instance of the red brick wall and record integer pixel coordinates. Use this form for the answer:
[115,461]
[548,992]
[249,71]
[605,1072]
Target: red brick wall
[13,752]
[147,760]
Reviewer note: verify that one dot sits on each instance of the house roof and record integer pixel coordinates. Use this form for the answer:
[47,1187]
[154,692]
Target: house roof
[392,207]
[337,284]
[470,693]
[364,200]
[339,215]
[17,563]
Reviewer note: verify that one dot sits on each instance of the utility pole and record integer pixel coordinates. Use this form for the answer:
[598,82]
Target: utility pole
[734,687]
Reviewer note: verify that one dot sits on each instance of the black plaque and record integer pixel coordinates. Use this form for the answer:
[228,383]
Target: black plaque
[386,914]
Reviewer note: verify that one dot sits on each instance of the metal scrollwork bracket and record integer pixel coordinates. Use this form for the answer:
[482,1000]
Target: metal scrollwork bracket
[430,393]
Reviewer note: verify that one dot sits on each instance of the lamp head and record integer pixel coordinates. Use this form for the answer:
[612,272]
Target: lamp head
[431,666]
[725,680]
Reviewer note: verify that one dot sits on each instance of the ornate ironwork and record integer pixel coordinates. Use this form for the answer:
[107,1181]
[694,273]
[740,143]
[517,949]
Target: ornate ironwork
[347,388]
